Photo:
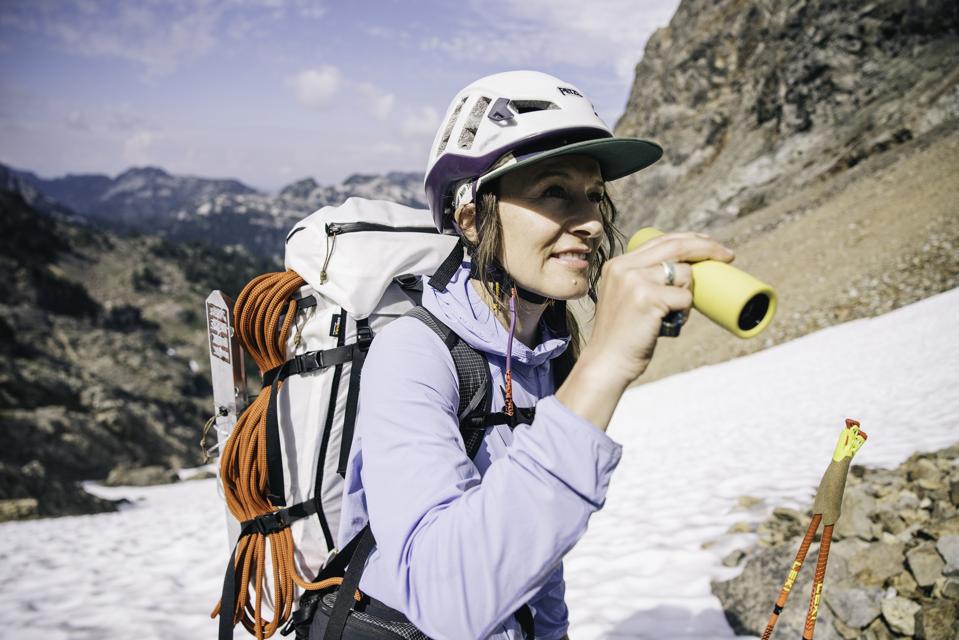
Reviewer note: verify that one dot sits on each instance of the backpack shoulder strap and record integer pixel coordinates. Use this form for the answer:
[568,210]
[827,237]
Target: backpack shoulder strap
[475,382]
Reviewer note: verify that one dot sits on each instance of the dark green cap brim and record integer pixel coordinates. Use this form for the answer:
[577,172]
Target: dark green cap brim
[617,157]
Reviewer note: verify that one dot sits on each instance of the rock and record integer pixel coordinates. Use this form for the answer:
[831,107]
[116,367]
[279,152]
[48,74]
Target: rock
[845,631]
[890,521]
[140,477]
[748,598]
[936,620]
[854,520]
[930,484]
[900,614]
[950,589]
[925,564]
[734,558]
[907,500]
[206,474]
[22,487]
[745,503]
[948,547]
[878,562]
[855,606]
[923,469]
[784,525]
[791,515]
[914,516]
[18,509]
[954,492]
[741,527]
[905,585]
[947,527]
[877,631]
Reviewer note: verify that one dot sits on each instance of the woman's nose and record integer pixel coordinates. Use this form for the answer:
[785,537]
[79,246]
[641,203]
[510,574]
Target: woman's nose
[588,223]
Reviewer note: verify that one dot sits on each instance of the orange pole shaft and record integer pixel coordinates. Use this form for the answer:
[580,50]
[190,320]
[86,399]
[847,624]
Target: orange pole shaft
[814,598]
[791,577]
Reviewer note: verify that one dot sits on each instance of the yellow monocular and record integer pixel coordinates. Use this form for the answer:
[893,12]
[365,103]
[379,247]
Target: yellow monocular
[730,297]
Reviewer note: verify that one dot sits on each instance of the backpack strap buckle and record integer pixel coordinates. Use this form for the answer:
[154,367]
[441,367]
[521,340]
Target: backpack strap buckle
[364,334]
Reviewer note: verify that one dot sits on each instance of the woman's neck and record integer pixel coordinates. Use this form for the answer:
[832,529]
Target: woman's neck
[527,316]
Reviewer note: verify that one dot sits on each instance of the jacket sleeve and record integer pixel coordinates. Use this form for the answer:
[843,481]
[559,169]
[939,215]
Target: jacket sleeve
[551,616]
[457,556]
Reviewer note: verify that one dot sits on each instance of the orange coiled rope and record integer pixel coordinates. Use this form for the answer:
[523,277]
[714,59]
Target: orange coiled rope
[243,468]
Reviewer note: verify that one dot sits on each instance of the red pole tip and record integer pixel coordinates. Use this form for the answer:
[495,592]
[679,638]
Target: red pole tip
[863,434]
[850,423]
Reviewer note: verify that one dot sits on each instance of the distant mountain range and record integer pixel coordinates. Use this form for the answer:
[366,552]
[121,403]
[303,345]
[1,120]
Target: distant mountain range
[187,208]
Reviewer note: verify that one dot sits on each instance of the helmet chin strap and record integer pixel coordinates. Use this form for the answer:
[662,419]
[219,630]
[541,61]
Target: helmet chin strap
[496,273]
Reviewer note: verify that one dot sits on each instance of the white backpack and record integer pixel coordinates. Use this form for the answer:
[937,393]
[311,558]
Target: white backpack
[361,262]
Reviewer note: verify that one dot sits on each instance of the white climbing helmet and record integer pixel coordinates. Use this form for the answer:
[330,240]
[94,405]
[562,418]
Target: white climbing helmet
[508,120]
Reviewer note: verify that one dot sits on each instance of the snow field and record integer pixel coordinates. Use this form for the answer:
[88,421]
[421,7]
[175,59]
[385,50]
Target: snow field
[763,425]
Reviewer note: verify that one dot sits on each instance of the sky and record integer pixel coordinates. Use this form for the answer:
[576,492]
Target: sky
[272,91]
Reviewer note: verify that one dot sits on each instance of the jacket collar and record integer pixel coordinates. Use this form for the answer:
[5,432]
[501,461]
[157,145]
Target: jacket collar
[462,309]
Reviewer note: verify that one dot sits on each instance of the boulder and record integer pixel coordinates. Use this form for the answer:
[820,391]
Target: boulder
[948,548]
[925,563]
[936,620]
[140,476]
[855,520]
[855,606]
[900,614]
[19,509]
[878,562]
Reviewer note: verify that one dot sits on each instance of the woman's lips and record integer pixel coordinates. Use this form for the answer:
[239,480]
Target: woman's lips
[571,262]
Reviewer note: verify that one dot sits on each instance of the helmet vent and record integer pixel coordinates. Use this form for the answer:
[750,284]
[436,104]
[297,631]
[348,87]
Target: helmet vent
[448,129]
[525,106]
[472,123]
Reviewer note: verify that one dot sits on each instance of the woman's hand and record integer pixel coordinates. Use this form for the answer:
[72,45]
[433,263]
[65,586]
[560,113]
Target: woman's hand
[633,299]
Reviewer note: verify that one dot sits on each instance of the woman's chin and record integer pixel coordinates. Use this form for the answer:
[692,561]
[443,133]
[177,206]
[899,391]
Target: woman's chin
[566,290]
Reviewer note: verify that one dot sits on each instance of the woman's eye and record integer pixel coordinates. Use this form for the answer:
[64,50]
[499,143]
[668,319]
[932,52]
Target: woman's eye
[555,191]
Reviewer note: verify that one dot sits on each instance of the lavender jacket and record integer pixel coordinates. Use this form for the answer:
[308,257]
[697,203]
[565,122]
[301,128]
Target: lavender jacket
[461,546]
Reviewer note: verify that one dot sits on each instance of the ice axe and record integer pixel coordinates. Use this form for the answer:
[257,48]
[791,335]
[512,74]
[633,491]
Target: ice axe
[826,509]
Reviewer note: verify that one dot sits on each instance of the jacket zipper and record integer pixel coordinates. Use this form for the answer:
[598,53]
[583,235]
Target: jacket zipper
[334,229]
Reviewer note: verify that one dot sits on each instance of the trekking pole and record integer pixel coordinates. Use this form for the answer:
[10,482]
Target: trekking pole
[826,509]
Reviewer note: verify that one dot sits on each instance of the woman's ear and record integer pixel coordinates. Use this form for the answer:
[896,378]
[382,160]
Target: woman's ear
[465,217]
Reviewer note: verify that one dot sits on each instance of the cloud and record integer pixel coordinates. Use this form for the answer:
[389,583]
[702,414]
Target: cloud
[137,148]
[377,101]
[77,121]
[606,34]
[421,122]
[158,36]
[316,87]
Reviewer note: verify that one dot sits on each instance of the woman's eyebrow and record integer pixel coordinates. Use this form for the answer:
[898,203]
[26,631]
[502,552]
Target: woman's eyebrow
[559,173]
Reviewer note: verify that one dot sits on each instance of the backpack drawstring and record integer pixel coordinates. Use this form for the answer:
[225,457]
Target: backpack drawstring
[508,410]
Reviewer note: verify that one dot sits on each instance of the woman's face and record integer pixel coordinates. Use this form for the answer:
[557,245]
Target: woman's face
[552,224]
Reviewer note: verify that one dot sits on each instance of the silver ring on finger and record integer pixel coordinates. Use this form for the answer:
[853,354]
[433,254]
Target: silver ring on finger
[670,270]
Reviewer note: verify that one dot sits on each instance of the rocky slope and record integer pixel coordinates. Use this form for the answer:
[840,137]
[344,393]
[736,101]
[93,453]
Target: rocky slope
[893,569]
[104,356]
[753,100]
[820,140]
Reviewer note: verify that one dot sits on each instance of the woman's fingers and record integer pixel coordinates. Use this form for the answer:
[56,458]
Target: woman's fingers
[682,273]
[680,247]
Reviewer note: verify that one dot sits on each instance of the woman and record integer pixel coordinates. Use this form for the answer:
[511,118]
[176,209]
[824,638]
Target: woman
[518,171]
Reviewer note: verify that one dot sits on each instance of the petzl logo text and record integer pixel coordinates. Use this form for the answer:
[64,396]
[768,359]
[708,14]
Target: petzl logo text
[568,91]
